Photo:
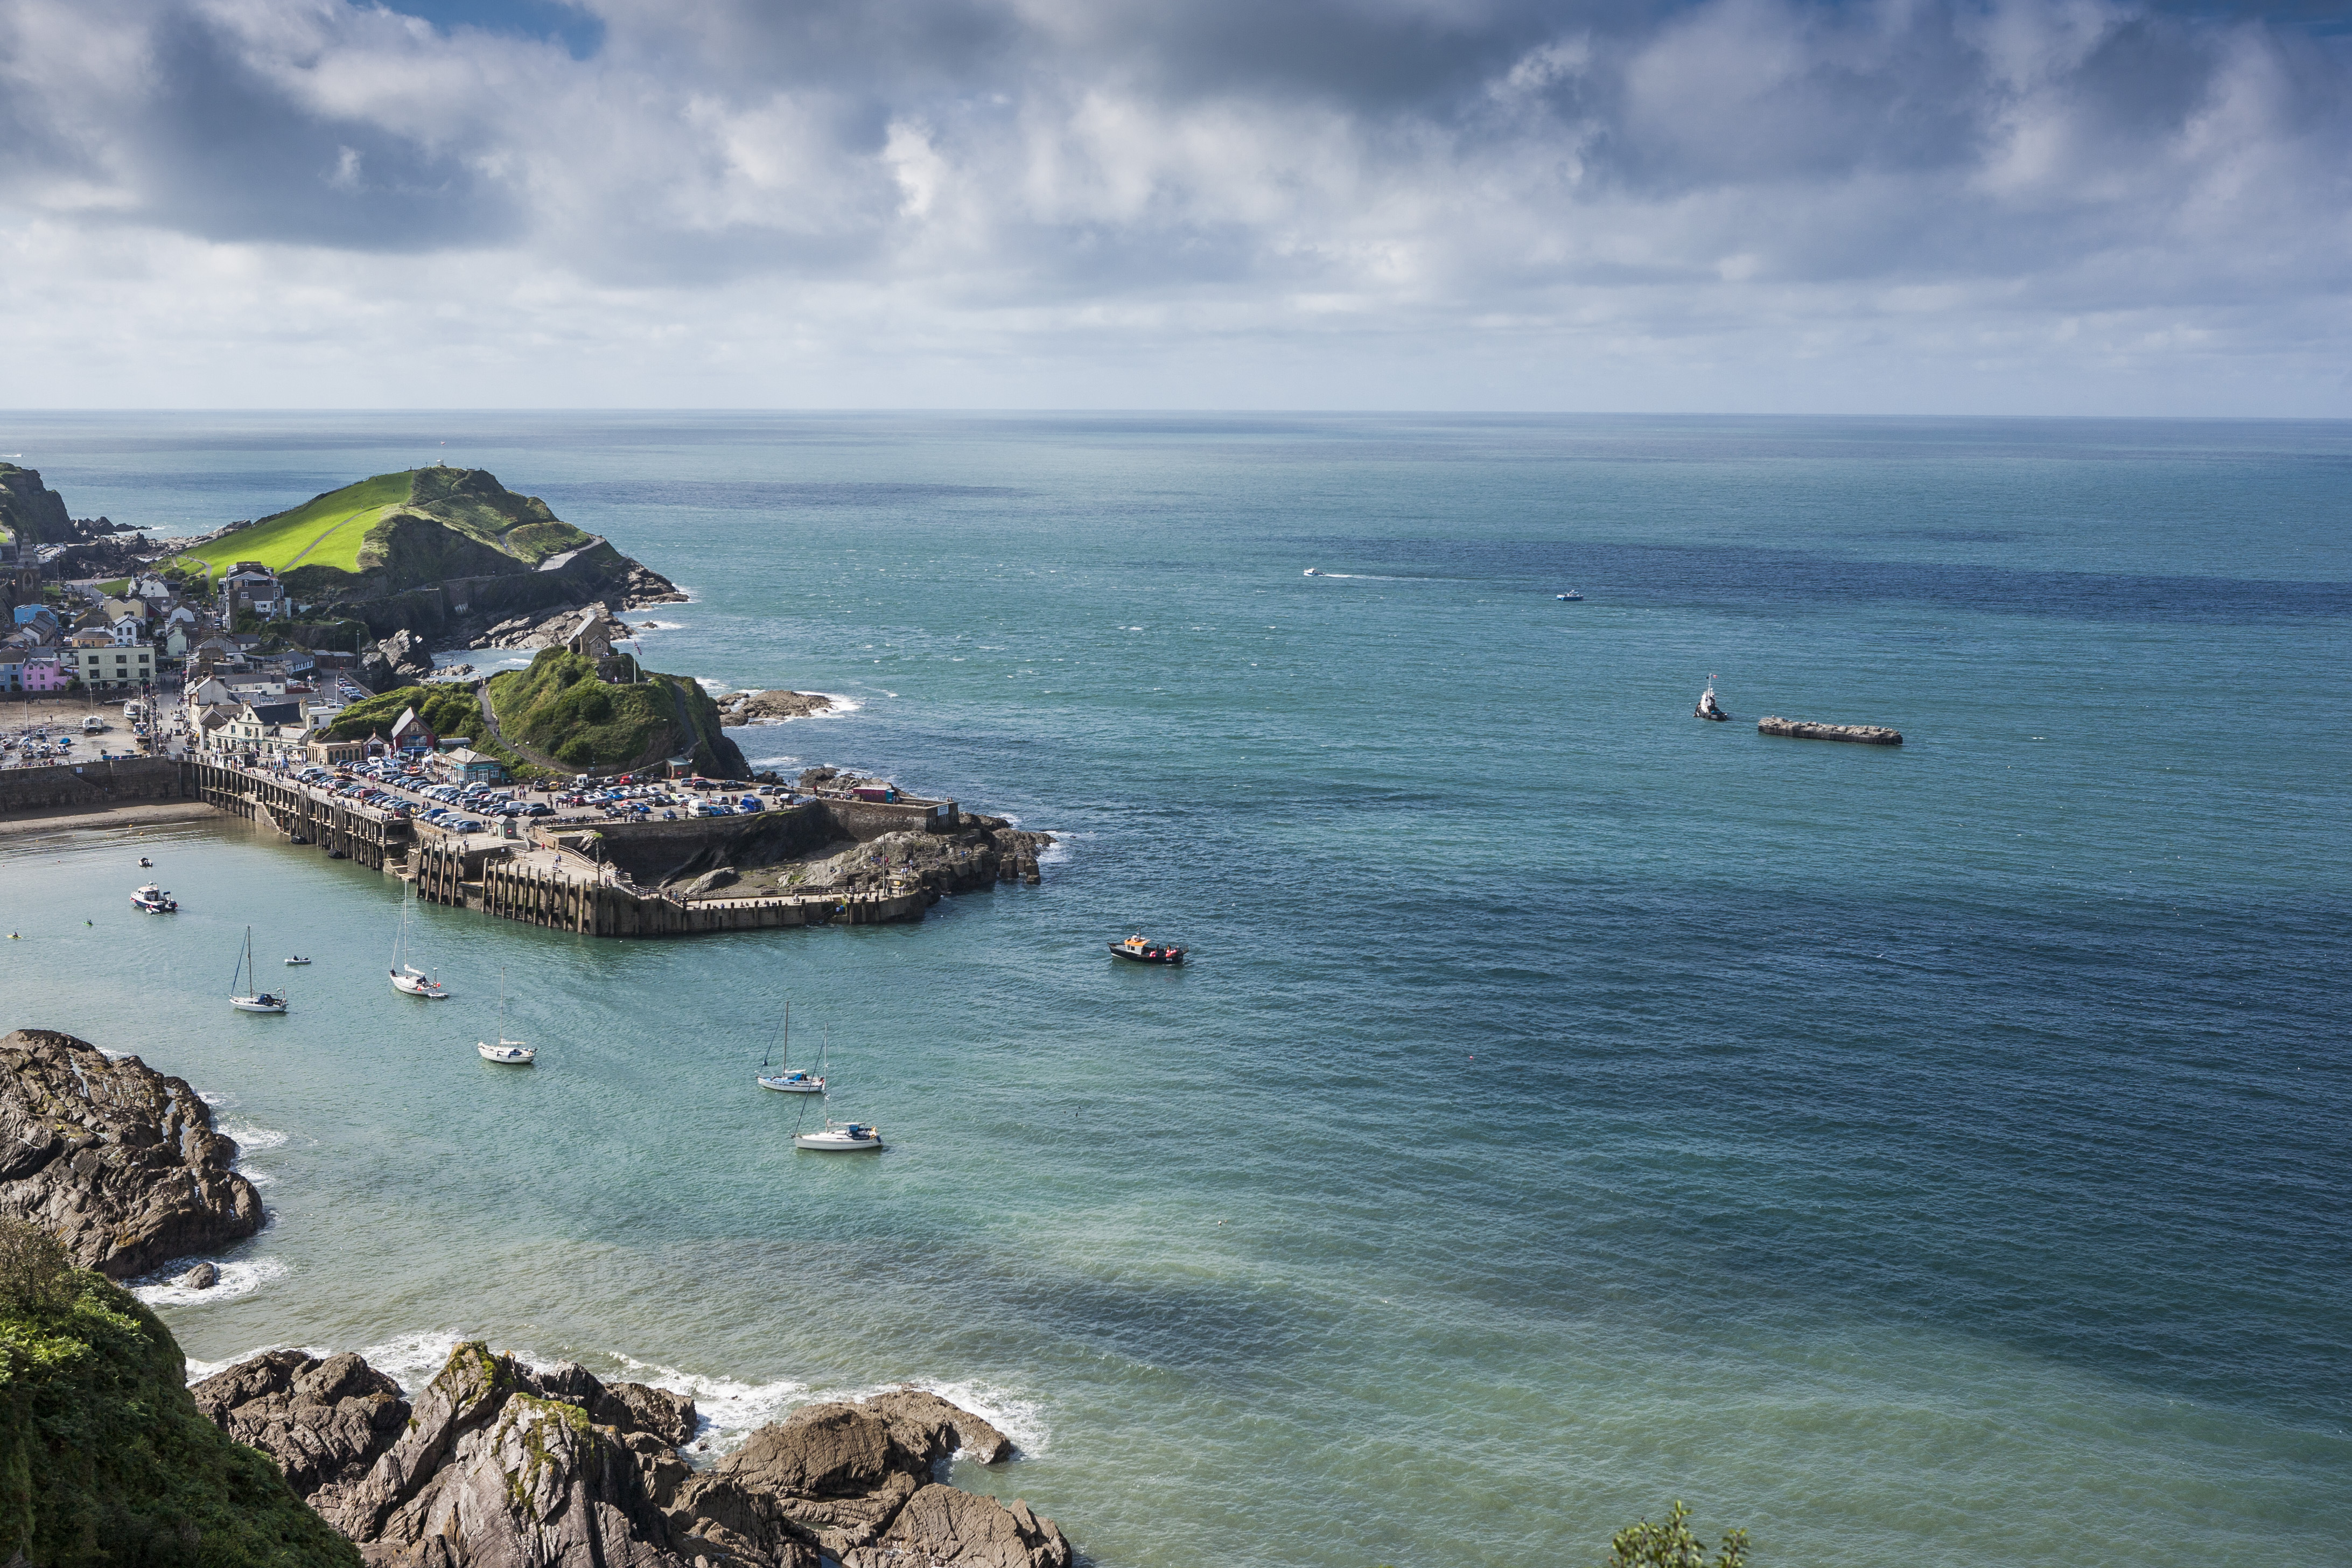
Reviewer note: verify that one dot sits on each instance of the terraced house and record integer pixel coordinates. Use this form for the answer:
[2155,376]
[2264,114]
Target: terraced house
[103,664]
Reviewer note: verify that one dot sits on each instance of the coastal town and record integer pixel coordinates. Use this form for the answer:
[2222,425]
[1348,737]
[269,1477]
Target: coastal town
[170,689]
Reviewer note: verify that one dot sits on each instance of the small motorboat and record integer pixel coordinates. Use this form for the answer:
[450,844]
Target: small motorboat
[840,1138]
[1570,597]
[297,962]
[1707,707]
[1312,572]
[154,900]
[146,864]
[1143,951]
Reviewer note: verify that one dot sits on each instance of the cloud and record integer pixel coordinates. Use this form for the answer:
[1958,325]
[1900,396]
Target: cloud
[1720,204]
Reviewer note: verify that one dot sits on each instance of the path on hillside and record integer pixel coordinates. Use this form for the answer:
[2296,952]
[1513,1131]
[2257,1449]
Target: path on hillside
[490,721]
[331,529]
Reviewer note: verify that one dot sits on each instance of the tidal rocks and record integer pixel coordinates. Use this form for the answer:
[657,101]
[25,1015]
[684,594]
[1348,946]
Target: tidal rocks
[741,708]
[499,1465]
[202,1277]
[399,659]
[542,630]
[319,1419]
[1797,728]
[117,1160]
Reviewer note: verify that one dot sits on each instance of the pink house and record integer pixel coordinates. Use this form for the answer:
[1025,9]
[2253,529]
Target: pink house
[45,672]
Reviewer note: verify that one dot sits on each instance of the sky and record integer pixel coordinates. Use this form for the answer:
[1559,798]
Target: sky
[2006,206]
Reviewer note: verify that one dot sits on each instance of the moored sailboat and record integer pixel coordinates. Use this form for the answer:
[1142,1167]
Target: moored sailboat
[507,1052]
[407,978]
[786,1078]
[246,993]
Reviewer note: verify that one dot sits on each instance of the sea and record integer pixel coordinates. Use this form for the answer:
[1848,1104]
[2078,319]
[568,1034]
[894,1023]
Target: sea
[1936,1153]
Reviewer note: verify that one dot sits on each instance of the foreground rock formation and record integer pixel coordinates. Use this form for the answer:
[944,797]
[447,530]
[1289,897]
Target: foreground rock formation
[118,1162]
[497,1465]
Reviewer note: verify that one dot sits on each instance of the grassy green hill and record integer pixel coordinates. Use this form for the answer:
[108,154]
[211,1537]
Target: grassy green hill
[104,1457]
[396,530]
[559,707]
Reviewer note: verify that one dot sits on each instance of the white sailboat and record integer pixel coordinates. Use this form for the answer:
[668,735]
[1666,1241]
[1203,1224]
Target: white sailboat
[836,1137]
[407,978]
[786,1080]
[246,993]
[511,1053]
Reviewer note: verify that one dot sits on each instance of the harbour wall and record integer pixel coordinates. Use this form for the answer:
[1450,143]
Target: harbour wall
[118,781]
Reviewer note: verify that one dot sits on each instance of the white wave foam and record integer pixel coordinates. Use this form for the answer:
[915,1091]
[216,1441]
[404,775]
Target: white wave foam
[840,704]
[658,626]
[258,1178]
[235,1279]
[1061,849]
[412,1361]
[731,1409]
[214,1098]
[250,1138]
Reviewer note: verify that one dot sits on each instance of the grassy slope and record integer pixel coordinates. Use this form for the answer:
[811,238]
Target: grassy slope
[445,709]
[345,530]
[105,1459]
[343,516]
[558,706]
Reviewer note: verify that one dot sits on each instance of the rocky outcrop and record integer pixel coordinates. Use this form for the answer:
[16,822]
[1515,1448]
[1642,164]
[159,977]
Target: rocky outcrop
[117,1160]
[1797,728]
[401,659]
[30,512]
[536,630]
[497,1466]
[741,708]
[319,1419]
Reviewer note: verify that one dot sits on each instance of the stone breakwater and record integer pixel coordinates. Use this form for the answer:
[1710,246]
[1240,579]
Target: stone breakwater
[1797,729]
[498,1464]
[117,1160]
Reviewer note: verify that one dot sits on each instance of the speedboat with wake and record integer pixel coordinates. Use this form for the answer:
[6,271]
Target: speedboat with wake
[1312,572]
[154,900]
[1142,950]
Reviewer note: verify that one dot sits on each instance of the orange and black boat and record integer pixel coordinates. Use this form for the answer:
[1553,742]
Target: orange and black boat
[1141,951]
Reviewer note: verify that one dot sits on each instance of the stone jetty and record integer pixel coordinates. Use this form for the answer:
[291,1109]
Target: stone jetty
[1797,729]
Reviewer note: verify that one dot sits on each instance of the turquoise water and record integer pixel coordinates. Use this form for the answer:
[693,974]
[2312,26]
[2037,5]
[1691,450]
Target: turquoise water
[1935,1155]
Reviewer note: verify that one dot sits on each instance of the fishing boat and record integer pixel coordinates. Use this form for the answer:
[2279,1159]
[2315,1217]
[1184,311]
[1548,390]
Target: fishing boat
[1142,950]
[507,1052]
[297,962]
[407,978]
[1570,597]
[246,993]
[787,1078]
[1707,707]
[154,900]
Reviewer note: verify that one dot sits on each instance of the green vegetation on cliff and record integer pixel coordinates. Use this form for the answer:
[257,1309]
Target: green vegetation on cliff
[446,709]
[104,1459]
[396,532]
[560,708]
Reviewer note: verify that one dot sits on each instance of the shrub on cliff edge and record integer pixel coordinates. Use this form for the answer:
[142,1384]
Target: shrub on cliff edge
[105,1462]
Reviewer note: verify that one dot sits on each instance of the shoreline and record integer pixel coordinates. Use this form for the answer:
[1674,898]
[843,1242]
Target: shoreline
[65,818]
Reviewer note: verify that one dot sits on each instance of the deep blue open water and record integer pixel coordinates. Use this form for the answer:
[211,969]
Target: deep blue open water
[1935,1154]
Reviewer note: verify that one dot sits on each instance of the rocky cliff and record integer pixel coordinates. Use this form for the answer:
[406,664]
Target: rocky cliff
[31,513]
[116,1160]
[496,1465]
